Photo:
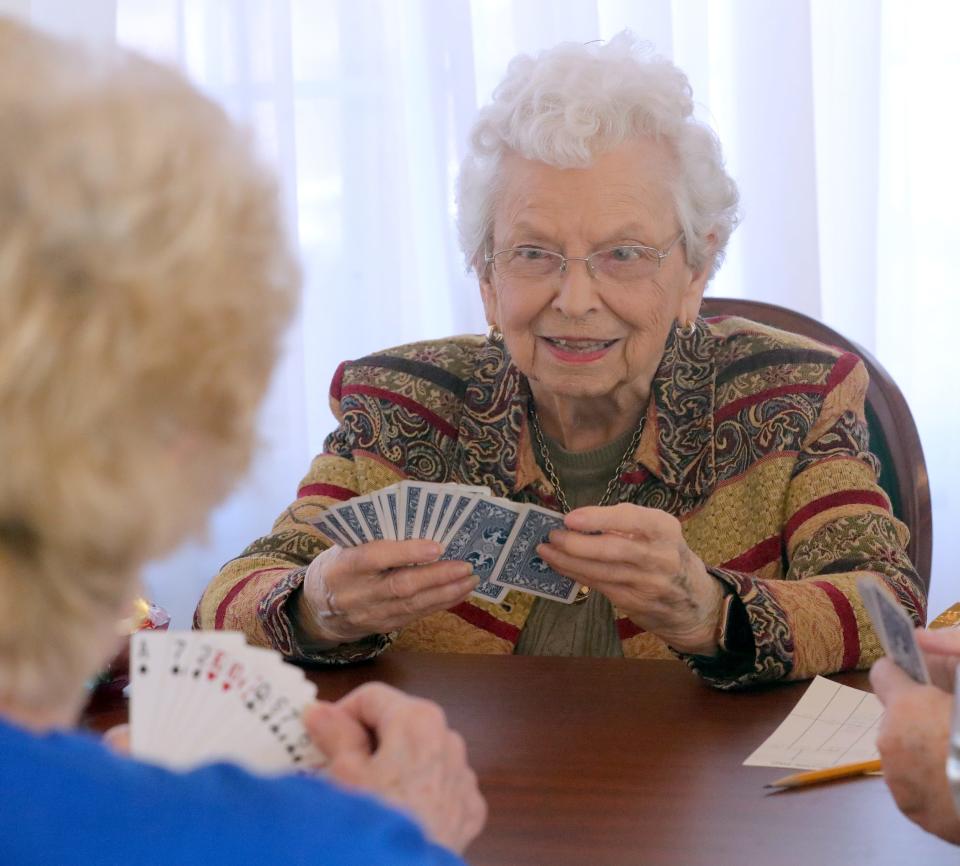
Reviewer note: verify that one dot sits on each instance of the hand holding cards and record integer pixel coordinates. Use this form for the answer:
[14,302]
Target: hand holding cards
[497,537]
[201,697]
[894,629]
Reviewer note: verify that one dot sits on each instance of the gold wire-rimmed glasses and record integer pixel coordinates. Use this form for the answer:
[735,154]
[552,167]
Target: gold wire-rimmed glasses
[623,264]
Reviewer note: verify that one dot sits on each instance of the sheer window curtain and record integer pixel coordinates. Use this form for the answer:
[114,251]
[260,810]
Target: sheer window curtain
[832,118]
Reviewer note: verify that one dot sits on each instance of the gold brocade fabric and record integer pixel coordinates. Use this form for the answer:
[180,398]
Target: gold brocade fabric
[950,618]
[587,629]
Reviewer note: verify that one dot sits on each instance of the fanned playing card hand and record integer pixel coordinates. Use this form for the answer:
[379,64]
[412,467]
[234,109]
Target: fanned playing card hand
[496,536]
[199,697]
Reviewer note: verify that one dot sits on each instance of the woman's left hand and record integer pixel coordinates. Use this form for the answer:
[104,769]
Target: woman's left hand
[638,558]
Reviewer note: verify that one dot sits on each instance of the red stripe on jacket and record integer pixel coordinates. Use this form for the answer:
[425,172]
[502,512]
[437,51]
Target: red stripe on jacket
[627,628]
[336,383]
[731,409]
[848,623]
[845,363]
[637,477]
[334,491]
[756,557]
[834,500]
[431,418]
[481,619]
[235,590]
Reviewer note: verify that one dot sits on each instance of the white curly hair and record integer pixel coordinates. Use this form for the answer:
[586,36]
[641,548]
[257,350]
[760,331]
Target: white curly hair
[574,101]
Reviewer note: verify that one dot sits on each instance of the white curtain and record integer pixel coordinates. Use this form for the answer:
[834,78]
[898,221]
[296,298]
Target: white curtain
[836,117]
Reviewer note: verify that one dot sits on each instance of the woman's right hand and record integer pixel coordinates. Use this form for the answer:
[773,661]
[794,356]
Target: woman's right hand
[400,748]
[378,587]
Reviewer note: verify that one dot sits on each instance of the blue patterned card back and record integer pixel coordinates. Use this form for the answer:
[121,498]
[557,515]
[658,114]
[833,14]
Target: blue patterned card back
[351,521]
[521,568]
[480,538]
[369,516]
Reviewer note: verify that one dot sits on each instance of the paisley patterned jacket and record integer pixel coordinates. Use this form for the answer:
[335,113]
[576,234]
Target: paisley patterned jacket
[755,439]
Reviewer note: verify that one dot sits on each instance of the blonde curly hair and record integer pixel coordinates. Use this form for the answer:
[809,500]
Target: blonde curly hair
[145,282]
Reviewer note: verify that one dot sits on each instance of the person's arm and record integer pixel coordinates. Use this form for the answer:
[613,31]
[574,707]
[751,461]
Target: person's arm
[398,747]
[837,526]
[223,814]
[259,592]
[380,742]
[292,591]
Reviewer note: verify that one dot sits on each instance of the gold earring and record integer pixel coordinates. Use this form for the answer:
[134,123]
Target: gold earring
[686,331]
[494,335]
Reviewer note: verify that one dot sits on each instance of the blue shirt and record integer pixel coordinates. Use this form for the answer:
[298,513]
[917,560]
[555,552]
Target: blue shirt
[66,799]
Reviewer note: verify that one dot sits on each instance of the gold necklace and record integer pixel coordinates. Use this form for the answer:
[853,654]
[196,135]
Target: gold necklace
[554,479]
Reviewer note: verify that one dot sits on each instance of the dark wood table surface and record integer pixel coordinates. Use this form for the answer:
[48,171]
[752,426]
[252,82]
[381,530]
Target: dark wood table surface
[591,762]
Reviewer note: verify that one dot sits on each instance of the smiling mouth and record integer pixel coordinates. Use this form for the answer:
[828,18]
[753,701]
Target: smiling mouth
[579,345]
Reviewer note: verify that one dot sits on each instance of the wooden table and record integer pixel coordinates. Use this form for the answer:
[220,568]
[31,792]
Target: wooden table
[612,761]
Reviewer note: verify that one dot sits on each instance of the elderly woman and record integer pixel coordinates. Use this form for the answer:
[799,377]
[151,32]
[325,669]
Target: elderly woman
[720,499]
[145,283]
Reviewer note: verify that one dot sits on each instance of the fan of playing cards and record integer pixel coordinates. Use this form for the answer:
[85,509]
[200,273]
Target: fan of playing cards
[497,537]
[201,697]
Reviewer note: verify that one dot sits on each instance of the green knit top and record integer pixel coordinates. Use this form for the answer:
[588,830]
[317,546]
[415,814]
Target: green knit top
[586,629]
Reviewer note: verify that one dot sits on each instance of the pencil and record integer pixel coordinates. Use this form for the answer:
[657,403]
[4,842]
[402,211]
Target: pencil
[814,777]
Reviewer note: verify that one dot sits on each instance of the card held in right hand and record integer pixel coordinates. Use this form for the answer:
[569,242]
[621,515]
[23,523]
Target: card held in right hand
[894,628]
[479,539]
[519,566]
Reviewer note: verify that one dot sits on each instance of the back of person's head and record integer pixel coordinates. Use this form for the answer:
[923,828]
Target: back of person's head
[145,281]
[574,101]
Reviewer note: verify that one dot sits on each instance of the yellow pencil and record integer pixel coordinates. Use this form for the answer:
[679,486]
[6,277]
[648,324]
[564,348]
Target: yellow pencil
[814,777]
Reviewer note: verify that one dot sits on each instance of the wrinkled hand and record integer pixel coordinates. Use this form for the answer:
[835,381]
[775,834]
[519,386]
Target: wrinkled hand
[637,557]
[378,587]
[382,741]
[913,740]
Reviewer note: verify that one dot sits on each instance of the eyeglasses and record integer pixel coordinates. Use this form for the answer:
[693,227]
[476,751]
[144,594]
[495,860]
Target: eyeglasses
[621,265]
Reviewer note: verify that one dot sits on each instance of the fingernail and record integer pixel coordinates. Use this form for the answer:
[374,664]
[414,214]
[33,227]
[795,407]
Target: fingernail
[431,548]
